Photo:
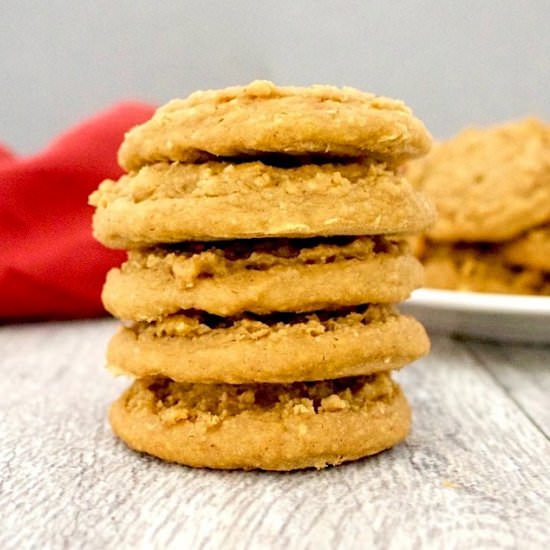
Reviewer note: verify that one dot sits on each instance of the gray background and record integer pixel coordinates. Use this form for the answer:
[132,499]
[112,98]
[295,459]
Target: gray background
[454,62]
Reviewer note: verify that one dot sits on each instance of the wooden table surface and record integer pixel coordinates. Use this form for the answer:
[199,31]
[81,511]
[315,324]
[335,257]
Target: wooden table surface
[475,473]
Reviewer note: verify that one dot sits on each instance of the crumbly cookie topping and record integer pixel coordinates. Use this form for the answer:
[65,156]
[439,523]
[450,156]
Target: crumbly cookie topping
[193,324]
[210,404]
[192,261]
[281,174]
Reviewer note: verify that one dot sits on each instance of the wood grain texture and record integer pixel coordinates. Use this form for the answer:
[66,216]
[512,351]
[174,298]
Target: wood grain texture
[473,474]
[523,372]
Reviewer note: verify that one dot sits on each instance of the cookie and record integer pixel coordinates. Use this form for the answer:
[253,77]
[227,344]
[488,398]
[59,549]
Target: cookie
[261,276]
[488,184]
[480,269]
[266,426]
[195,347]
[166,203]
[261,118]
[266,231]
[530,250]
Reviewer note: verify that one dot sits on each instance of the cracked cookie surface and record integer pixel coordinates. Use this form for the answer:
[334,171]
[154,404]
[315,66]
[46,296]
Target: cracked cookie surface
[259,118]
[488,184]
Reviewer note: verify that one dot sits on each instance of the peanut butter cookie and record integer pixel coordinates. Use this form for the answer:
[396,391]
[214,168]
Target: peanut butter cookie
[195,347]
[266,230]
[267,426]
[261,276]
[262,118]
[166,203]
[531,249]
[480,269]
[489,184]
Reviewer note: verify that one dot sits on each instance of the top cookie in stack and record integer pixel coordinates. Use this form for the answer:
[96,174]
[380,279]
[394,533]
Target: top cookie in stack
[264,228]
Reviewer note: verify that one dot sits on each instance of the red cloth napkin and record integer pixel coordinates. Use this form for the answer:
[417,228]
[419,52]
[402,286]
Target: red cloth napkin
[50,266]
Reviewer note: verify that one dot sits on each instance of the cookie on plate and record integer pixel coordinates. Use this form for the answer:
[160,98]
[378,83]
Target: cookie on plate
[480,269]
[488,184]
[531,249]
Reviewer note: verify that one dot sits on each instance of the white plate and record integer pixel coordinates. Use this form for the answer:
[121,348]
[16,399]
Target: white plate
[479,315]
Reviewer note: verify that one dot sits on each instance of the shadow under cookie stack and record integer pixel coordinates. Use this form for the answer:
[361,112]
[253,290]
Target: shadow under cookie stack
[265,234]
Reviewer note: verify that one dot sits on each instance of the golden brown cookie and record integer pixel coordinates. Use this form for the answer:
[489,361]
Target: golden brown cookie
[166,203]
[488,184]
[260,118]
[195,347]
[530,250]
[480,268]
[267,426]
[261,276]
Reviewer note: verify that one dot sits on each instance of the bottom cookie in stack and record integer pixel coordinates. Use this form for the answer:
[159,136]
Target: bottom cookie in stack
[344,407]
[268,426]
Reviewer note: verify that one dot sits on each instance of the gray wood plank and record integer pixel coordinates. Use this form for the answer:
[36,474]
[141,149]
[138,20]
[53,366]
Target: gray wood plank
[524,373]
[473,474]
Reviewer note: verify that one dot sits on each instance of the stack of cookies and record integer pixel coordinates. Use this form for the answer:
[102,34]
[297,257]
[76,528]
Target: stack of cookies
[491,188]
[264,229]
